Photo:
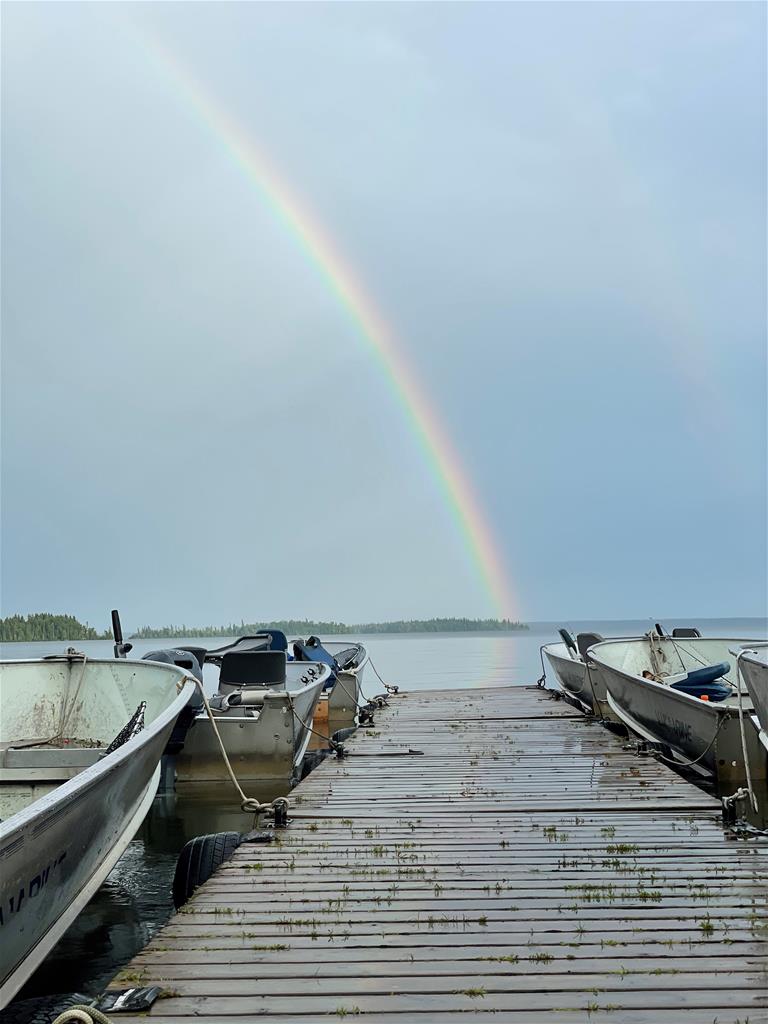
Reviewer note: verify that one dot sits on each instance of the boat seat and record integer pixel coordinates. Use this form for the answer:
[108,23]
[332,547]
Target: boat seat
[685,632]
[702,682]
[347,658]
[252,668]
[46,764]
[51,757]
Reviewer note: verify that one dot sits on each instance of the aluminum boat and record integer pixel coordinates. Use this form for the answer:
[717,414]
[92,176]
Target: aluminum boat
[753,662]
[263,706]
[681,694]
[581,685]
[343,692]
[80,748]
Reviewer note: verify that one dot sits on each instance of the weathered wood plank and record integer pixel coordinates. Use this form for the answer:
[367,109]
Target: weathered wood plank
[479,853]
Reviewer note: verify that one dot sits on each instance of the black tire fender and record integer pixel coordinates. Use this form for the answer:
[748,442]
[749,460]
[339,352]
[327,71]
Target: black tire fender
[199,859]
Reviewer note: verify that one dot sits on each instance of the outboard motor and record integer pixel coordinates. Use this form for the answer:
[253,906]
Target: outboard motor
[569,642]
[587,640]
[192,661]
[313,650]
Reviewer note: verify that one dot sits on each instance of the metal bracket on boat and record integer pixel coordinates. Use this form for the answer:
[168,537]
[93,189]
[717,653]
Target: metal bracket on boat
[732,805]
[641,748]
[280,812]
[365,714]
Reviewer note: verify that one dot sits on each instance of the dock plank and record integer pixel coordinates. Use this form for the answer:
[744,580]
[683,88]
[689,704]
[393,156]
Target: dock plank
[484,853]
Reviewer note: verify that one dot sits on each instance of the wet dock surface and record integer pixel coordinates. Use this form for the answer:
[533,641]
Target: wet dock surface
[488,854]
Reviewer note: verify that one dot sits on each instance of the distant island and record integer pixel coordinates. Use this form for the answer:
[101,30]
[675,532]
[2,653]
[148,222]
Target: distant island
[303,627]
[44,626]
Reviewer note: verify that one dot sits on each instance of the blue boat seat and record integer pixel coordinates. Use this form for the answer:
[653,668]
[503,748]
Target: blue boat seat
[702,682]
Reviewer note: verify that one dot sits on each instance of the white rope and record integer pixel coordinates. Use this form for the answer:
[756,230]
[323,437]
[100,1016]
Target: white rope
[84,1014]
[687,764]
[248,804]
[67,705]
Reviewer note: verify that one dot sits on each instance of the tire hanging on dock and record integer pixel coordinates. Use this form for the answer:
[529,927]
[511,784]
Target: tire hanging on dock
[199,859]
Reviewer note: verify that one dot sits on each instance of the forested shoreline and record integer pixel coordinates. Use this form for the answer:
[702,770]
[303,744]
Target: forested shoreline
[302,627]
[45,626]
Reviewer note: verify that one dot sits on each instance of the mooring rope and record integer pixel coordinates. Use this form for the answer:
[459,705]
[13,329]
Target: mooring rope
[248,804]
[332,743]
[688,764]
[387,686]
[84,1014]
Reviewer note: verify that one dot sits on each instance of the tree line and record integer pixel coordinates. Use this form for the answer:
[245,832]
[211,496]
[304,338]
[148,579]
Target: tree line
[302,627]
[45,626]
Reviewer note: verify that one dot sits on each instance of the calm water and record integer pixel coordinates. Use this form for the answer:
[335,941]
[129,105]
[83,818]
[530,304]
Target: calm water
[135,900]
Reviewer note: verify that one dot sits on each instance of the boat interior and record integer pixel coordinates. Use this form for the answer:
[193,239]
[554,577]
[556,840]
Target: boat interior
[702,667]
[62,715]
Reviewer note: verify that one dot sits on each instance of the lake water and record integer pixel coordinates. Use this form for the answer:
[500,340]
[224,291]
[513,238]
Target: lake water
[135,900]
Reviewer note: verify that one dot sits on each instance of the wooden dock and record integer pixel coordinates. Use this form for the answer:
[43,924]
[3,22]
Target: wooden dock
[479,855]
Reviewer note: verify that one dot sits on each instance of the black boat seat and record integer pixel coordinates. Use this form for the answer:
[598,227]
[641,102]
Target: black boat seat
[268,640]
[253,668]
[347,658]
[685,632]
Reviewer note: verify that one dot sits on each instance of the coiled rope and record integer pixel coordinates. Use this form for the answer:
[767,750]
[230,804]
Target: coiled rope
[248,804]
[84,1014]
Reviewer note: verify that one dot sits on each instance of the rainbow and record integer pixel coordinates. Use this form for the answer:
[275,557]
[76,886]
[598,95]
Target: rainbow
[439,453]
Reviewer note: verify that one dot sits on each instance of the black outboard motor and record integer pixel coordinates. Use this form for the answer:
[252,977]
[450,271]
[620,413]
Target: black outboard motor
[586,640]
[192,661]
[568,640]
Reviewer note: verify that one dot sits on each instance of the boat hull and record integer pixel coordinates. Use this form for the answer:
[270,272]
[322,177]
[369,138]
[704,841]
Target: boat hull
[268,746]
[55,854]
[703,735]
[571,675]
[580,682]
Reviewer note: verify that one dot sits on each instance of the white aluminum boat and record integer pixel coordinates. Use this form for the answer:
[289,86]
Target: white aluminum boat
[344,694]
[680,693]
[263,708]
[572,670]
[753,662]
[581,685]
[80,747]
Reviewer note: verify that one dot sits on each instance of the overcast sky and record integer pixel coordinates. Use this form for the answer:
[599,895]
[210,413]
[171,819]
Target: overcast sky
[560,210]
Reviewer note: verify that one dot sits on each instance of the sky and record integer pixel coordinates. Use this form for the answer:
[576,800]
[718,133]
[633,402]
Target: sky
[558,212]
